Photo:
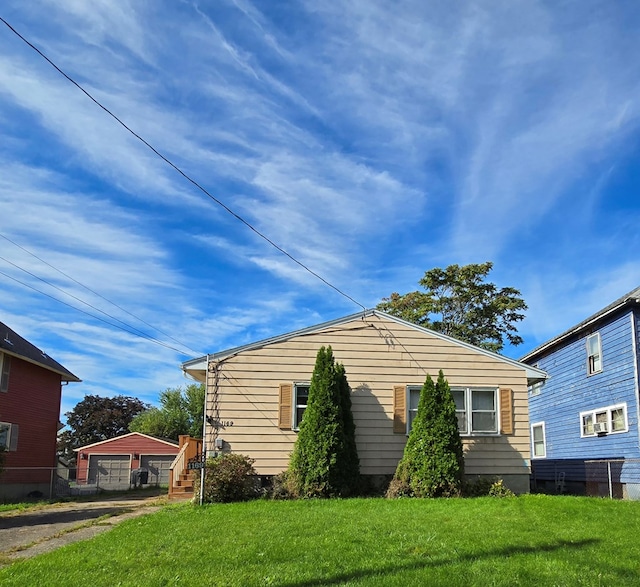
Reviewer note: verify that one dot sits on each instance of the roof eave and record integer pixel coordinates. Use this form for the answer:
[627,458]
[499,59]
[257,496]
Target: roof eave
[199,365]
[581,327]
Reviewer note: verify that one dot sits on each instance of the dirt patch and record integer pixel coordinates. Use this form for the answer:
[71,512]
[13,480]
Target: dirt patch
[32,532]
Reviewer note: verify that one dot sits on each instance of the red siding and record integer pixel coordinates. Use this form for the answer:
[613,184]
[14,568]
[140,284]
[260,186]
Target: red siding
[33,402]
[128,444]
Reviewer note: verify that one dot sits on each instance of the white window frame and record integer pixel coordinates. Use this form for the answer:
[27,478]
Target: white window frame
[594,356]
[295,424]
[412,391]
[536,388]
[533,441]
[466,427]
[465,415]
[589,417]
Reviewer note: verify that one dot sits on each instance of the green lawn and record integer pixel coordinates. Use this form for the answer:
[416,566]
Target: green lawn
[530,540]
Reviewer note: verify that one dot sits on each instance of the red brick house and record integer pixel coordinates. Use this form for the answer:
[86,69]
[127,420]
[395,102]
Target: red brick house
[108,464]
[30,391]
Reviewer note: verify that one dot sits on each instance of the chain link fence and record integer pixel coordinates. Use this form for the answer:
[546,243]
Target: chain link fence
[57,482]
[613,478]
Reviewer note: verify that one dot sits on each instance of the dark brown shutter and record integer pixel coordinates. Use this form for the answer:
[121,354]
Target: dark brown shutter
[399,409]
[506,411]
[6,366]
[284,412]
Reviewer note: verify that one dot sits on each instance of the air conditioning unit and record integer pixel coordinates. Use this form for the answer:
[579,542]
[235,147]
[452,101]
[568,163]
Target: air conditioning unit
[600,428]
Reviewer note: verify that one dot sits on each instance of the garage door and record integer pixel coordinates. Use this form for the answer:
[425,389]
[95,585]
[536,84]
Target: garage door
[111,471]
[158,467]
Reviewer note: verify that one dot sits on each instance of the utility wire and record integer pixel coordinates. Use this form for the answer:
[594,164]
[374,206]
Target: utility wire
[90,290]
[139,333]
[133,330]
[182,173]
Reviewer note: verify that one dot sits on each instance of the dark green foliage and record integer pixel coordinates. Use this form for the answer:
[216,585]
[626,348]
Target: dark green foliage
[458,302]
[433,462]
[97,418]
[324,462]
[228,478]
[180,412]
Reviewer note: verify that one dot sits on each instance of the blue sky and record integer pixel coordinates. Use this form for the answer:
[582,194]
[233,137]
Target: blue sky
[372,140]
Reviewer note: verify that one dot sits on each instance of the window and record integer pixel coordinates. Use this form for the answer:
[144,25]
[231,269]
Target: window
[414,399]
[301,397]
[5,365]
[536,388]
[609,420]
[9,436]
[476,409]
[538,443]
[594,354]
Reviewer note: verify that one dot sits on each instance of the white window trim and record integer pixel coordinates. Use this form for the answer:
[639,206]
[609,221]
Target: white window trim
[544,441]
[468,412]
[599,354]
[536,388]
[410,389]
[295,425]
[607,410]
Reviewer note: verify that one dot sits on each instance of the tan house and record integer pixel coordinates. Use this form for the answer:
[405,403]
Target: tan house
[257,394]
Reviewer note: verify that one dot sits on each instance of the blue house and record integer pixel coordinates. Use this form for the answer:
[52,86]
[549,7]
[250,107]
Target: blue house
[584,418]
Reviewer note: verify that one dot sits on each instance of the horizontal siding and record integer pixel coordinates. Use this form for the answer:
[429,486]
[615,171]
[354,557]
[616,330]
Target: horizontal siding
[32,401]
[570,391]
[376,356]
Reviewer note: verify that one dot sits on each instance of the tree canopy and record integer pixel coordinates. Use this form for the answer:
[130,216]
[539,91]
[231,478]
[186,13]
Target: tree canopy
[457,301]
[181,412]
[97,418]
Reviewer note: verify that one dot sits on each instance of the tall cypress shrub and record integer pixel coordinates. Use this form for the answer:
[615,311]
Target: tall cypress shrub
[324,462]
[433,461]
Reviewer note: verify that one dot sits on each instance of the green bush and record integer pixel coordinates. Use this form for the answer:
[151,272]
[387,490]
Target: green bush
[486,487]
[282,487]
[432,464]
[228,478]
[478,487]
[324,462]
[499,489]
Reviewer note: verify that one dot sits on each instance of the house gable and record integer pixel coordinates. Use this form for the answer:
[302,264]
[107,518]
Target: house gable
[383,357]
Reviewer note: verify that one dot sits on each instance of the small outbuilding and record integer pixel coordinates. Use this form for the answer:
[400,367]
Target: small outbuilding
[108,464]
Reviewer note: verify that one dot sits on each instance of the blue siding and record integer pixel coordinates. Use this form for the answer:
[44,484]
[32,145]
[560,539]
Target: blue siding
[569,391]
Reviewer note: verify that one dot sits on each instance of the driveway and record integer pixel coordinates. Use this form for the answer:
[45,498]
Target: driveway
[24,534]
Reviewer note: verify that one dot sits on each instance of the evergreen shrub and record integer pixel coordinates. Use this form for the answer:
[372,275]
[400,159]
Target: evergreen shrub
[433,463]
[324,462]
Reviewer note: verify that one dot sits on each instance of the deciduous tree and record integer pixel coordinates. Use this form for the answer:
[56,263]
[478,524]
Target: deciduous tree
[97,418]
[458,302]
[181,412]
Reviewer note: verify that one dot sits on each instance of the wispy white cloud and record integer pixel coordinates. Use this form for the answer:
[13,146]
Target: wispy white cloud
[372,140]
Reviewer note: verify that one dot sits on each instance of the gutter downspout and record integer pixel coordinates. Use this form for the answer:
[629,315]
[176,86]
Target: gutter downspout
[204,430]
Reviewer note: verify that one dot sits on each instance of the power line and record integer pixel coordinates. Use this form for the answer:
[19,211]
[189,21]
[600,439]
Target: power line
[182,173]
[133,330]
[90,290]
[139,333]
